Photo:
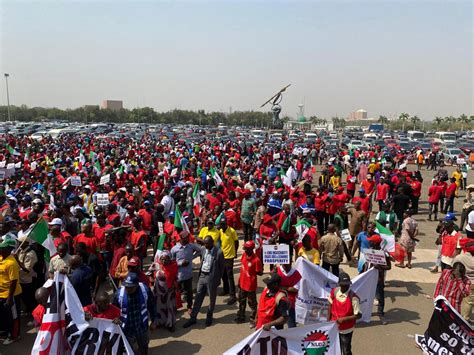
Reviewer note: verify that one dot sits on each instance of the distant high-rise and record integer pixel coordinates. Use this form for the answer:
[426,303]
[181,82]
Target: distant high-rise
[357,115]
[113,105]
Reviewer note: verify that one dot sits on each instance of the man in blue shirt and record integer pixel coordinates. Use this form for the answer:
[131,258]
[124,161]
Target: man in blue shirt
[361,241]
[81,278]
[137,307]
[184,253]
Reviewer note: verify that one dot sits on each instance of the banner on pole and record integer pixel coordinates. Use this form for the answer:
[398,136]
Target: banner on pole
[315,286]
[65,331]
[320,338]
[447,333]
[276,254]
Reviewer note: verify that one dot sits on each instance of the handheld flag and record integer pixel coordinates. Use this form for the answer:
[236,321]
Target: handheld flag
[40,234]
[388,239]
[302,227]
[216,176]
[286,225]
[12,150]
[179,221]
[197,201]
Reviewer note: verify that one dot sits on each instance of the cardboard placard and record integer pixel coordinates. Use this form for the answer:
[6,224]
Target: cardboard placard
[160,228]
[276,254]
[174,172]
[11,166]
[3,164]
[345,235]
[104,179]
[102,199]
[76,181]
[376,257]
[276,156]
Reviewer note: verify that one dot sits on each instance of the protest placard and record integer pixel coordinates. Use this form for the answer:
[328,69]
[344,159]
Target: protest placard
[174,172]
[76,181]
[376,257]
[345,235]
[33,165]
[3,164]
[102,199]
[104,179]
[276,156]
[276,254]
[11,166]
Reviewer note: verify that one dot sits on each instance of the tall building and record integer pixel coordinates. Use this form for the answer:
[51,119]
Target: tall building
[113,105]
[360,114]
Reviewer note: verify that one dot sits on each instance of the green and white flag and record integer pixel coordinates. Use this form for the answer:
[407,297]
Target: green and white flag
[286,226]
[216,176]
[12,150]
[179,221]
[197,201]
[388,239]
[40,234]
[302,227]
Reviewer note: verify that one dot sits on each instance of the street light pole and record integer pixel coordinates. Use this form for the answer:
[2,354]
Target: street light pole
[8,96]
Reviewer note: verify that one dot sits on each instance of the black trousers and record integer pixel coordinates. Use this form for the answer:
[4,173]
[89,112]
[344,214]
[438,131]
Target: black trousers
[334,268]
[10,317]
[248,231]
[449,205]
[228,277]
[414,203]
[28,296]
[380,296]
[433,209]
[251,297]
[186,289]
[346,343]
[321,220]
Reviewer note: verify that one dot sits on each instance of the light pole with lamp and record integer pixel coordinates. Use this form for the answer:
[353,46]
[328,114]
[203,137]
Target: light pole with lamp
[8,97]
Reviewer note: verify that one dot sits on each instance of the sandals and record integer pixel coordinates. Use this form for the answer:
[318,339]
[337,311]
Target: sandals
[400,266]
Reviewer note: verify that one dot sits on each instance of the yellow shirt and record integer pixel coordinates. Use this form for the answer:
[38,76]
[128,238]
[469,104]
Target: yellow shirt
[310,255]
[9,271]
[335,181]
[214,233]
[458,177]
[228,239]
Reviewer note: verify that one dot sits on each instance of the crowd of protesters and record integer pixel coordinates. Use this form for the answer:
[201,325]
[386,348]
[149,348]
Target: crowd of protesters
[171,202]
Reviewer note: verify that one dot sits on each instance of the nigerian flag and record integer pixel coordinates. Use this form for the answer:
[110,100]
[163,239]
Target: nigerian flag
[302,227]
[216,176]
[179,221]
[40,234]
[285,227]
[98,167]
[388,239]
[12,150]
[197,201]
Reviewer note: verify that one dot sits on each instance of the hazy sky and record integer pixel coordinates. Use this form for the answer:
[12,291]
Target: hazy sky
[386,57]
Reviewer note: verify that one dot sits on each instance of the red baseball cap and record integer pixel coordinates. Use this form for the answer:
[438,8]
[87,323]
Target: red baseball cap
[134,261]
[375,239]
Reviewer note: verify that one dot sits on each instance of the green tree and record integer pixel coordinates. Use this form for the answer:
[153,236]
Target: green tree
[403,117]
[464,120]
[414,119]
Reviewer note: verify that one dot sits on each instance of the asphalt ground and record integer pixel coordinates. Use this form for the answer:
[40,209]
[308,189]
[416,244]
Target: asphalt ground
[408,307]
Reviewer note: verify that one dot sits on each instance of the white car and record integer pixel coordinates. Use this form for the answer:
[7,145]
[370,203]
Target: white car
[356,144]
[451,154]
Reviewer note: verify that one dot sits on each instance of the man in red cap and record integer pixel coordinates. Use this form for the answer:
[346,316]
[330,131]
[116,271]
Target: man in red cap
[251,266]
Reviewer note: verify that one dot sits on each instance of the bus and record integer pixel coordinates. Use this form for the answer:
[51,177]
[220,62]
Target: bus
[445,137]
[415,135]
[376,128]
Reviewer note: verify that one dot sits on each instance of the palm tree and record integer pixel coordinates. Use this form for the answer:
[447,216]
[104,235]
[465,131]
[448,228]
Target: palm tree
[403,117]
[414,119]
[439,120]
[464,119]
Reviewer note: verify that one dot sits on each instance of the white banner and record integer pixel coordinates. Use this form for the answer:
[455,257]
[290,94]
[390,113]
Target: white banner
[321,338]
[76,181]
[104,179]
[276,254]
[315,287]
[102,199]
[65,331]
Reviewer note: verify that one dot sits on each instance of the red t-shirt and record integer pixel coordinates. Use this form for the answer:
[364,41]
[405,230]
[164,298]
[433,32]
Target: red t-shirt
[92,244]
[250,267]
[451,190]
[368,186]
[382,192]
[351,183]
[416,188]
[214,201]
[112,312]
[37,314]
[146,217]
[364,203]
